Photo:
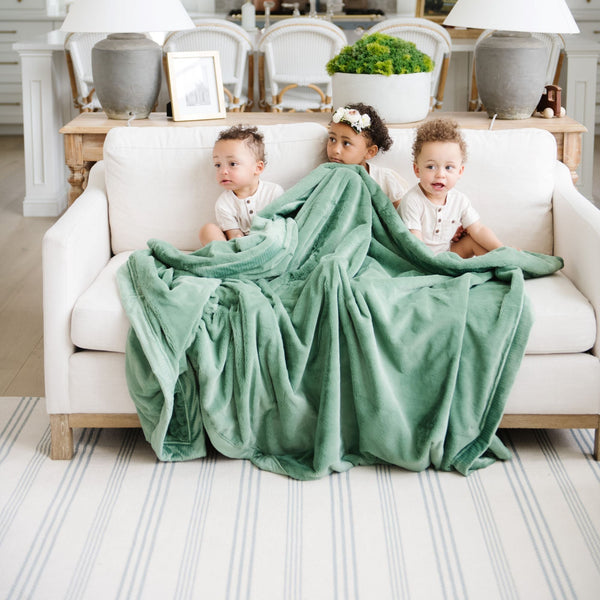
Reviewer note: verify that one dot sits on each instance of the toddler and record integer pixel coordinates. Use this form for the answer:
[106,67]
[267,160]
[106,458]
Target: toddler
[239,159]
[356,134]
[433,209]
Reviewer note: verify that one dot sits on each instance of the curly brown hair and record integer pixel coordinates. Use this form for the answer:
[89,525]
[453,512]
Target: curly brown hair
[248,134]
[377,133]
[439,130]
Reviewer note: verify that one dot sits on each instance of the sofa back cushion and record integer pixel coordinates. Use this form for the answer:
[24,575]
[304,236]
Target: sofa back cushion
[161,182]
[509,177]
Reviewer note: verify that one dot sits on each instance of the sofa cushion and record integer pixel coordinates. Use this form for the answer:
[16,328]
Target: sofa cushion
[564,319]
[520,163]
[98,321]
[161,183]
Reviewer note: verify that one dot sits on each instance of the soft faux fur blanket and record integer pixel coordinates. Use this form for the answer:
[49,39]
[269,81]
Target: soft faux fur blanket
[329,337]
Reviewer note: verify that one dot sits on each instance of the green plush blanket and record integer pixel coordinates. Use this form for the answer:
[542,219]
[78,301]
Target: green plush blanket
[329,337]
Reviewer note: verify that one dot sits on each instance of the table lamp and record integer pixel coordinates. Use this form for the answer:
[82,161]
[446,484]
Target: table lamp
[510,64]
[127,65]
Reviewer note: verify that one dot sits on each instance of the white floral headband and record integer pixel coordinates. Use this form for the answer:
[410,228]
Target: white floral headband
[350,116]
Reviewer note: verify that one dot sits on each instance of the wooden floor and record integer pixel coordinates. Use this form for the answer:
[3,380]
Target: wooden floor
[21,337]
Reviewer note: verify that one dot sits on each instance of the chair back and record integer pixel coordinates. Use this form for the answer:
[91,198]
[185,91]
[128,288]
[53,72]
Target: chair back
[78,52]
[430,38]
[293,56]
[555,46]
[235,49]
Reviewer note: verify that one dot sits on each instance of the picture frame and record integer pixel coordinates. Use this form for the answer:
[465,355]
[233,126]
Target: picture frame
[195,85]
[437,11]
[434,10]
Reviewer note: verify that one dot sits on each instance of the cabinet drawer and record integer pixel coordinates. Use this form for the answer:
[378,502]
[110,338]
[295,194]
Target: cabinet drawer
[23,5]
[589,29]
[11,104]
[16,31]
[10,70]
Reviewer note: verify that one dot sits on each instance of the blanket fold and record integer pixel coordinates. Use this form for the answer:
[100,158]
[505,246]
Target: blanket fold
[330,337]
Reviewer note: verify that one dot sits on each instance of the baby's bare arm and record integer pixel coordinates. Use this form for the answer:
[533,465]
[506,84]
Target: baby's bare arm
[484,236]
[234,233]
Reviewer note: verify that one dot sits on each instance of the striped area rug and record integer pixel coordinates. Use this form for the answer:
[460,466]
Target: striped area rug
[115,523]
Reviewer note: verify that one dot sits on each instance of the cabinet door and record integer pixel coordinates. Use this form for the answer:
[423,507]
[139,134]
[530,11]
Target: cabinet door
[23,5]
[11,111]
[591,30]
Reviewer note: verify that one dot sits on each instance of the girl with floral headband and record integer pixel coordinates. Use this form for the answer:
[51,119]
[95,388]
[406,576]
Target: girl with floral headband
[356,134]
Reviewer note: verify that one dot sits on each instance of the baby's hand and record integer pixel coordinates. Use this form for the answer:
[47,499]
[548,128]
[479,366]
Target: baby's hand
[460,232]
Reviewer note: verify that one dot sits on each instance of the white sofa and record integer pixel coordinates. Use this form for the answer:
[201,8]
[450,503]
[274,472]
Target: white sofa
[159,182]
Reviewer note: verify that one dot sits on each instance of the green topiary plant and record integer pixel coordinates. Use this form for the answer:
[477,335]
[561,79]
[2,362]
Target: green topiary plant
[380,54]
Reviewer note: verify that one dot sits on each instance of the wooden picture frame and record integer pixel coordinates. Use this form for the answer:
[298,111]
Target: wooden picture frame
[434,10]
[195,85]
[437,11]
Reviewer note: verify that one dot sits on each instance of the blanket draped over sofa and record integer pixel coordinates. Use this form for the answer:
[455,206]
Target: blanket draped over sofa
[329,337]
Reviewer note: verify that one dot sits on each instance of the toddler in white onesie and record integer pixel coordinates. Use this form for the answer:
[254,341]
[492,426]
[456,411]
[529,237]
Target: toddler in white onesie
[239,159]
[433,210]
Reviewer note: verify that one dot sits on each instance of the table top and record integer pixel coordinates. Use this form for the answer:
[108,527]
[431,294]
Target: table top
[97,123]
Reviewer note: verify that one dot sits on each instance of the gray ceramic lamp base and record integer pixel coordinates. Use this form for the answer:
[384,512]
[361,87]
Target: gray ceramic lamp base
[126,68]
[510,69]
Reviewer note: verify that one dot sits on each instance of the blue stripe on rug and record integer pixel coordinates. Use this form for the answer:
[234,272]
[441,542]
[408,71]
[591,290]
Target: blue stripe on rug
[185,588]
[498,557]
[397,570]
[143,544]
[559,585]
[14,425]
[35,562]
[572,498]
[104,513]
[24,484]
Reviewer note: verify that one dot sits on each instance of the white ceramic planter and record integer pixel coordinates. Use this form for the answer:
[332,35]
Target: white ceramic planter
[397,98]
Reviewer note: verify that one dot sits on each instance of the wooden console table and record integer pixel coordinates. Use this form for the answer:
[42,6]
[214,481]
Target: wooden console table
[84,135]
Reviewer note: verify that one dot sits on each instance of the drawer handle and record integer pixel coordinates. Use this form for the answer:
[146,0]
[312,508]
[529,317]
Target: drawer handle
[7,62]
[8,32]
[10,104]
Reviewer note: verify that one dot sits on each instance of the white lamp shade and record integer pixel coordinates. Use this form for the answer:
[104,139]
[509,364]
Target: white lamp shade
[131,16]
[543,16]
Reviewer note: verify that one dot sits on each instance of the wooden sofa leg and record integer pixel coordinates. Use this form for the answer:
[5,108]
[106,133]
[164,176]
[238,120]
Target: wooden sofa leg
[597,444]
[61,447]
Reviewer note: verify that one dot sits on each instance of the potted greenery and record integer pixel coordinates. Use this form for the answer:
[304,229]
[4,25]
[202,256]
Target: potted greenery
[386,72]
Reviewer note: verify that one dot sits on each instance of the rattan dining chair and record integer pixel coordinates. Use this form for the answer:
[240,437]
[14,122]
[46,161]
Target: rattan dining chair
[292,58]
[236,53]
[78,52]
[555,44]
[430,38]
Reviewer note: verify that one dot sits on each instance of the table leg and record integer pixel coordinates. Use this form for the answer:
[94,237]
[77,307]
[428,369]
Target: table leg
[571,153]
[78,179]
[78,167]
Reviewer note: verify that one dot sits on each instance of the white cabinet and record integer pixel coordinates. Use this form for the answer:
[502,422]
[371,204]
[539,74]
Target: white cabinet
[591,30]
[587,15]
[11,110]
[22,8]
[19,20]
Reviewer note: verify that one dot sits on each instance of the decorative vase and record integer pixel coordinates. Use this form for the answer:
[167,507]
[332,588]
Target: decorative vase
[127,73]
[510,69]
[397,98]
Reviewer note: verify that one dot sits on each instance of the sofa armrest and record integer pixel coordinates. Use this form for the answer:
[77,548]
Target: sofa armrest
[74,251]
[577,240]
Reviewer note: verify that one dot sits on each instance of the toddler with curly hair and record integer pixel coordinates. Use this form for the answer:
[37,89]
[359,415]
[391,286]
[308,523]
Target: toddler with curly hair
[434,209]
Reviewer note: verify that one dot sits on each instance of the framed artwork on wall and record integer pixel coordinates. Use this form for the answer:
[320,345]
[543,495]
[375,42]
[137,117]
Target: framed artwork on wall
[195,85]
[434,10]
